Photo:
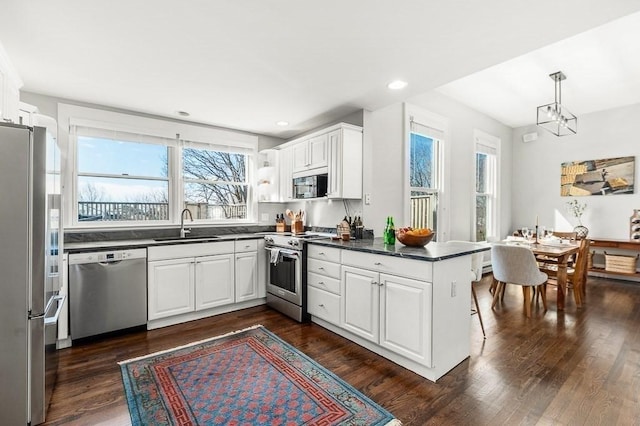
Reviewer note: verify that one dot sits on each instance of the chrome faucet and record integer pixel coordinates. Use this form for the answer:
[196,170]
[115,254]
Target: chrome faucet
[184,232]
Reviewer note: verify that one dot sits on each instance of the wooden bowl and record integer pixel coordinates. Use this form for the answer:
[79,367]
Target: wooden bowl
[414,240]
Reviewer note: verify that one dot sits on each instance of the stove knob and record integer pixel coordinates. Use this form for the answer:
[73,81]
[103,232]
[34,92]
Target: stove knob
[268,240]
[294,243]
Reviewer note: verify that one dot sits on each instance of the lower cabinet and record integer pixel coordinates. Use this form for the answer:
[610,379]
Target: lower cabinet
[246,276]
[214,280]
[194,278]
[179,286]
[171,287]
[392,311]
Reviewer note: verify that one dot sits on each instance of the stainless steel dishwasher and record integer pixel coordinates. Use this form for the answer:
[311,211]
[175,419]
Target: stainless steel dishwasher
[107,291]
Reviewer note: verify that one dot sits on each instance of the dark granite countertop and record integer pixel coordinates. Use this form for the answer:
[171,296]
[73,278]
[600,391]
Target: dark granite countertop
[432,252]
[88,246]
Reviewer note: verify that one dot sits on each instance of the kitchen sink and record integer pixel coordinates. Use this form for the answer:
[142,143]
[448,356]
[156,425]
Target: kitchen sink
[186,239]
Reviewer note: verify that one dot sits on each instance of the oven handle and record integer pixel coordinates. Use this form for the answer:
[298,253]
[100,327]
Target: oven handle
[285,252]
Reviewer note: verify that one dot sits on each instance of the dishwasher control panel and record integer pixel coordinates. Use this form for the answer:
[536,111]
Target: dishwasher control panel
[106,256]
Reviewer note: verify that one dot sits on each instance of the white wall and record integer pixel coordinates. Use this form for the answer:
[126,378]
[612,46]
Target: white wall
[384,163]
[536,173]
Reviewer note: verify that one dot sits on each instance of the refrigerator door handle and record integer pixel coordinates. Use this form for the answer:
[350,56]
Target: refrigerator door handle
[54,319]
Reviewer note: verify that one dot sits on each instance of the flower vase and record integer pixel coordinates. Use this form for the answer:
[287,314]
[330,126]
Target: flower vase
[581,232]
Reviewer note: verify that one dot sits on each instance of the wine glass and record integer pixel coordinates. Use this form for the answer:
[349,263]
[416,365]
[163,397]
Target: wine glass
[525,232]
[549,232]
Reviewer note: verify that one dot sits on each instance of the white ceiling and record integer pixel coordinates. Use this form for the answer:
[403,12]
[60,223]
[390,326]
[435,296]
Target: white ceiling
[602,67]
[247,64]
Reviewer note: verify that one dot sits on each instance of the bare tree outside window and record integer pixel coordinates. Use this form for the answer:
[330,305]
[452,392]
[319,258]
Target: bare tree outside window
[215,183]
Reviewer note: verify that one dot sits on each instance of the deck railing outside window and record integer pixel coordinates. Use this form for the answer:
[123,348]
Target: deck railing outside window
[135,211]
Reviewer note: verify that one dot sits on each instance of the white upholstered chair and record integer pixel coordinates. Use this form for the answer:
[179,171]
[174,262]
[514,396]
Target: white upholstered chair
[476,276]
[517,265]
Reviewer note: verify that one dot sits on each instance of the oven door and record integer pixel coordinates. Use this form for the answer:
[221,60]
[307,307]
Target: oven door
[285,276]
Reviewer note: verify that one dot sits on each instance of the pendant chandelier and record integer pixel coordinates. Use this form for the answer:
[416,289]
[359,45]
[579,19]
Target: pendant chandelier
[554,117]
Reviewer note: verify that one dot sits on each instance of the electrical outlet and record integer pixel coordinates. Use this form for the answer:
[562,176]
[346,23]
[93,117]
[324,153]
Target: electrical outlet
[264,217]
[367,199]
[453,289]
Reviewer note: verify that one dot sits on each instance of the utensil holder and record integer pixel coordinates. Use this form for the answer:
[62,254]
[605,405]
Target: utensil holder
[297,227]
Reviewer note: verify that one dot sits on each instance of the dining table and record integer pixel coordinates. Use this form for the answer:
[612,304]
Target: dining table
[558,252]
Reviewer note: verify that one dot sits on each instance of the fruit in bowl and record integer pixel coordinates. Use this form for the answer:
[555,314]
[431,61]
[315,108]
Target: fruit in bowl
[418,237]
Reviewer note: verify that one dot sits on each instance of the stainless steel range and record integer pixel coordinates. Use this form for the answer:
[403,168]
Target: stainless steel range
[286,283]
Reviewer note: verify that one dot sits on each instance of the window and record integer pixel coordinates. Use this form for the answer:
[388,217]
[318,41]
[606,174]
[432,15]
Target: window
[486,200]
[215,184]
[425,171]
[119,180]
[130,171]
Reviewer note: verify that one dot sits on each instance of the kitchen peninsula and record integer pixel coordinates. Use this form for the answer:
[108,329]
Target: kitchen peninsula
[410,305]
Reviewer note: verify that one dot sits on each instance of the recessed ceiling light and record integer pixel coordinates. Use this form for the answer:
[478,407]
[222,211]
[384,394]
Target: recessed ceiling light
[282,123]
[183,113]
[397,85]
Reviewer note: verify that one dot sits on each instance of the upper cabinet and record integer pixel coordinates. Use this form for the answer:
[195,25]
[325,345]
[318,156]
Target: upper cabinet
[345,162]
[10,85]
[335,151]
[311,154]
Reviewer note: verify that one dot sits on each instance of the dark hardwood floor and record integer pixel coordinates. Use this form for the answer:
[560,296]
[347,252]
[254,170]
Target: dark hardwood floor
[580,366]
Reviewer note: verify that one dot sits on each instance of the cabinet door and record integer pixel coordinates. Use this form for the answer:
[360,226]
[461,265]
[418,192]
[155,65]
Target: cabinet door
[300,156]
[214,281]
[405,317]
[334,186]
[286,174]
[171,287]
[318,151]
[360,302]
[246,276]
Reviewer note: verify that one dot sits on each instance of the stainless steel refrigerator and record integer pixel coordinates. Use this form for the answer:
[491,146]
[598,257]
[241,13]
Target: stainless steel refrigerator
[29,276]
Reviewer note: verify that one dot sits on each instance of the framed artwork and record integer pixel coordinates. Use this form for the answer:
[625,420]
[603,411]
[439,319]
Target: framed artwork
[609,176]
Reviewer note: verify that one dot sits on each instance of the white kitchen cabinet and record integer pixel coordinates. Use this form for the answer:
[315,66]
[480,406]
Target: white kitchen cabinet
[246,276]
[214,281]
[170,287]
[392,311]
[310,154]
[360,302]
[323,283]
[185,278]
[414,312]
[345,162]
[285,169]
[10,85]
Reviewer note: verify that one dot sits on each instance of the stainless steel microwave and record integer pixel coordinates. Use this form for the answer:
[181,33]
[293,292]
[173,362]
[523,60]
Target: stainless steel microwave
[314,186]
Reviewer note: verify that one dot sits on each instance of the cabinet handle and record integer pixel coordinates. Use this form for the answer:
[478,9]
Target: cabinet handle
[321,268]
[321,305]
[380,284]
[321,253]
[374,283]
[321,282]
[377,263]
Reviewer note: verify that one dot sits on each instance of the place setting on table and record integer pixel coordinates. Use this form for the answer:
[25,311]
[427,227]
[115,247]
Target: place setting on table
[552,247]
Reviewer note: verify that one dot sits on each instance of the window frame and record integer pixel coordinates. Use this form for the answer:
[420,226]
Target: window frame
[440,126]
[171,132]
[491,142]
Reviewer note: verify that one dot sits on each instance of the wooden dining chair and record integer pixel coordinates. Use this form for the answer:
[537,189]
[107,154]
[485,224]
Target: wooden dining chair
[576,274]
[517,265]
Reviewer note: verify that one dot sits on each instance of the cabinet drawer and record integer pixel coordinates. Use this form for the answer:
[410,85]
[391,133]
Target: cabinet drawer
[325,268]
[246,245]
[194,249]
[323,305]
[323,282]
[410,268]
[324,253]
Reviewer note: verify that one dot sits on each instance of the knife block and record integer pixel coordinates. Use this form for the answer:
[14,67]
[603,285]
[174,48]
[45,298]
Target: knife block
[281,227]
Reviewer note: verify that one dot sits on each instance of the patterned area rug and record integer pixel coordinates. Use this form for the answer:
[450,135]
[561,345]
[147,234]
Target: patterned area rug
[249,377]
